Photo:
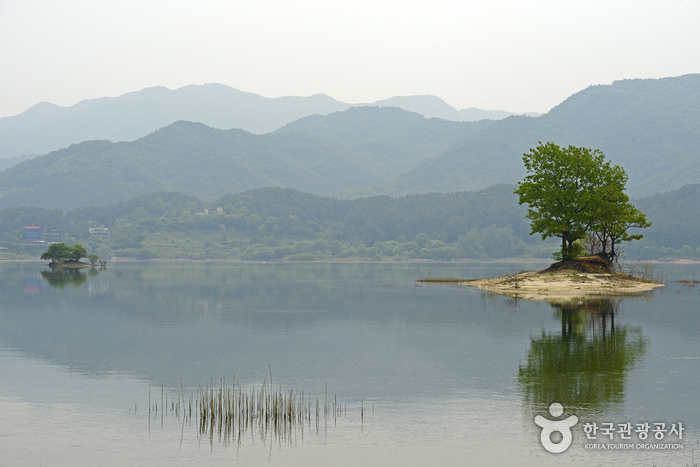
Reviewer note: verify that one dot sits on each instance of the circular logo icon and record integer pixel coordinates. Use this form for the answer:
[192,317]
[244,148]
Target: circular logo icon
[551,426]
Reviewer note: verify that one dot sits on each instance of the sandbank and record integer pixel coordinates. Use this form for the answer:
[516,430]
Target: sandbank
[566,284]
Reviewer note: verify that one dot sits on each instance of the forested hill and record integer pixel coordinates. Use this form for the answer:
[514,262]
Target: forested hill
[274,223]
[198,160]
[675,217]
[650,127]
[379,218]
[386,139]
[270,223]
[188,157]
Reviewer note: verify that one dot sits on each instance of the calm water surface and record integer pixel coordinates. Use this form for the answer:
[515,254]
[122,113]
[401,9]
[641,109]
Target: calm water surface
[448,375]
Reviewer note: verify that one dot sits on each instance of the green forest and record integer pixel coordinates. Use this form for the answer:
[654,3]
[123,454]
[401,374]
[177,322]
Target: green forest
[277,223]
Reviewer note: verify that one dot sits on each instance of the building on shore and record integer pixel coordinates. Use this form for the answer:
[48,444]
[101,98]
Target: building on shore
[33,233]
[99,232]
[52,235]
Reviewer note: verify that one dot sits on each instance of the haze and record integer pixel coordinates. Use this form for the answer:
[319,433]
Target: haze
[511,55]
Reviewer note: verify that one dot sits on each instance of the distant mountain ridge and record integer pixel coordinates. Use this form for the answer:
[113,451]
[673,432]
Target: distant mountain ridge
[206,162]
[434,107]
[386,139]
[650,127]
[47,127]
[137,114]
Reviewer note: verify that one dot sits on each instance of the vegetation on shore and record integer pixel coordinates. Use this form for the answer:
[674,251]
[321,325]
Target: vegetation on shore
[276,223]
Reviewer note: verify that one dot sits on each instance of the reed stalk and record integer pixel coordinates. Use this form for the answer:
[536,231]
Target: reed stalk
[227,411]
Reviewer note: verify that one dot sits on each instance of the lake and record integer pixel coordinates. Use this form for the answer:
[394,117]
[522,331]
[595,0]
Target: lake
[422,375]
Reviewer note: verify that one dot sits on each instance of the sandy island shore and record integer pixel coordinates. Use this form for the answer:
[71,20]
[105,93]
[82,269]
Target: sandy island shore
[69,265]
[564,285]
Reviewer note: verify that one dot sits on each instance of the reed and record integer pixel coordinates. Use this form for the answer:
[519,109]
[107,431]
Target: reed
[227,411]
[452,280]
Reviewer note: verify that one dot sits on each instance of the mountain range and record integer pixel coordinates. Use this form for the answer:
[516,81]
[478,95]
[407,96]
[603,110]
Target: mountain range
[650,127]
[47,127]
[206,162]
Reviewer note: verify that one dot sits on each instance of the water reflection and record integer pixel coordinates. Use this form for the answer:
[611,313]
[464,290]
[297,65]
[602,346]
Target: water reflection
[585,365]
[196,321]
[32,285]
[61,278]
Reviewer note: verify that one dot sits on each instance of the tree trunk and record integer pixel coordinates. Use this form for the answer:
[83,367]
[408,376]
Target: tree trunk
[612,250]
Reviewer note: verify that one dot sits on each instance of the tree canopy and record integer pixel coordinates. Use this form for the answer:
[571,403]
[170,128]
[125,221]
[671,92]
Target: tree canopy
[58,252]
[573,191]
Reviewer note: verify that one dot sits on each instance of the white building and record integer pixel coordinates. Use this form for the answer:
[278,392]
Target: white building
[99,232]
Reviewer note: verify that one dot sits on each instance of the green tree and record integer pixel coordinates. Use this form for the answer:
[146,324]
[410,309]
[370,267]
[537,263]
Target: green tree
[570,191]
[76,252]
[93,258]
[611,219]
[56,252]
[127,237]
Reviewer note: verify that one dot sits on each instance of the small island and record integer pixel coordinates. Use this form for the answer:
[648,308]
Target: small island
[575,194]
[69,265]
[63,256]
[583,277]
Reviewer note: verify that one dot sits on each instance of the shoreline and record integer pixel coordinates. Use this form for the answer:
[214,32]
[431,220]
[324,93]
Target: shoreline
[564,285]
[366,260]
[69,265]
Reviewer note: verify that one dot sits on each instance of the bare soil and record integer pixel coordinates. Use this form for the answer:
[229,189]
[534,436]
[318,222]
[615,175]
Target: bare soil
[588,277]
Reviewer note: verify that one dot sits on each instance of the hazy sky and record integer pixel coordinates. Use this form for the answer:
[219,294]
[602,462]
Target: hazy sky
[513,55]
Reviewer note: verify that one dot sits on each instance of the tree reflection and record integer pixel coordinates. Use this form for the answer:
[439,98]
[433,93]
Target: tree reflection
[60,278]
[587,364]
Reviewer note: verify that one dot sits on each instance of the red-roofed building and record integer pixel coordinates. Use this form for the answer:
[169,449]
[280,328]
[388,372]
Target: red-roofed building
[32,233]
